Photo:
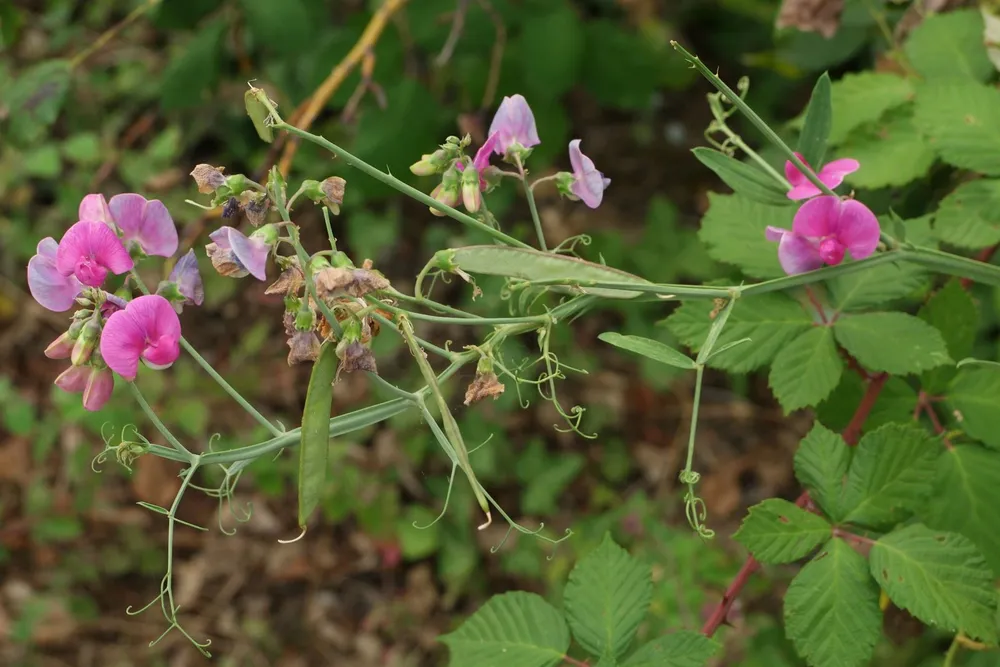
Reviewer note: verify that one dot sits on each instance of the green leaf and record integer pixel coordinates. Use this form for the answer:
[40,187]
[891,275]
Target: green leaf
[771,321]
[891,151]
[863,97]
[951,311]
[545,487]
[280,27]
[831,609]
[966,498]
[969,217]
[515,629]
[806,370]
[314,448]
[821,464]
[652,349]
[550,51]
[606,598]
[777,531]
[819,119]
[876,285]
[35,99]
[895,403]
[941,578]
[950,46]
[679,649]
[733,231]
[419,535]
[621,70]
[962,122]
[975,396]
[193,69]
[529,264]
[891,475]
[895,343]
[745,179]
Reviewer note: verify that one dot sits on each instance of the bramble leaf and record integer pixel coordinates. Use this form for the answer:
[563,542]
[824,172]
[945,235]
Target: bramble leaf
[941,578]
[606,597]
[821,464]
[962,122]
[831,608]
[679,649]
[876,285]
[891,151]
[975,396]
[806,370]
[950,46]
[514,629]
[969,217]
[777,531]
[951,311]
[649,348]
[863,97]
[895,343]
[733,232]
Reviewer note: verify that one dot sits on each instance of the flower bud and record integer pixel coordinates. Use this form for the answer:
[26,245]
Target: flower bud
[76,326]
[85,301]
[208,178]
[236,183]
[431,163]
[60,348]
[268,234]
[73,379]
[471,196]
[86,343]
[100,384]
[447,192]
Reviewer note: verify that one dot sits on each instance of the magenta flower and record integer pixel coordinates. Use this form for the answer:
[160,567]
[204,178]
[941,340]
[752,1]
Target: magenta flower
[147,329]
[831,175]
[235,255]
[588,183]
[823,231]
[73,379]
[482,158]
[94,208]
[89,250]
[51,288]
[515,125]
[146,223]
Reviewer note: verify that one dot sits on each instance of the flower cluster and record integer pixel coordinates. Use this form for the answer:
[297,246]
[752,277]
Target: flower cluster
[825,228]
[513,135]
[111,333]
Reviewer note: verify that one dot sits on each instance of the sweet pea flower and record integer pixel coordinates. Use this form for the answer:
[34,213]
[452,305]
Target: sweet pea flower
[73,379]
[588,183]
[147,329]
[823,230]
[186,280]
[94,207]
[50,288]
[145,222]
[100,384]
[90,249]
[235,255]
[831,175]
[515,124]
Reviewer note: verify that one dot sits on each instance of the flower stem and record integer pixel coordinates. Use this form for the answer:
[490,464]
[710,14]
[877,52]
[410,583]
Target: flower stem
[530,195]
[173,441]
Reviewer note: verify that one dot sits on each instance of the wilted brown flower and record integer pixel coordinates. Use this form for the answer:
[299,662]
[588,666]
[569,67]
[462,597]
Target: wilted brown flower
[289,282]
[822,16]
[255,205]
[355,356]
[304,346]
[225,262]
[335,282]
[208,178]
[333,192]
[485,385]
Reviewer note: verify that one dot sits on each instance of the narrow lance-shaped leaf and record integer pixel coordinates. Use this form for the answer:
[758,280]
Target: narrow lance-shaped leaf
[315,445]
[777,531]
[652,349]
[714,331]
[745,179]
[259,109]
[819,119]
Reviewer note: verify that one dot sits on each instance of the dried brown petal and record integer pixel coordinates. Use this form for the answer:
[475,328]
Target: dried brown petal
[225,261]
[334,282]
[288,320]
[303,346]
[289,282]
[484,386]
[208,178]
[356,357]
[333,192]
[822,16]
[255,205]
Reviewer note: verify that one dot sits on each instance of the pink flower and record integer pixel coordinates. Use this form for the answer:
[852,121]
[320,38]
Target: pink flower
[515,124]
[823,230]
[187,278]
[831,175]
[100,384]
[588,183]
[49,287]
[89,250]
[94,208]
[235,255]
[147,223]
[482,159]
[73,379]
[147,329]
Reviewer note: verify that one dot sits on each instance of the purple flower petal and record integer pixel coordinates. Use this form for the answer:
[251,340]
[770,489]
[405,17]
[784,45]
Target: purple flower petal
[100,384]
[857,229]
[797,254]
[588,183]
[148,223]
[188,278]
[817,217]
[94,208]
[148,328]
[250,253]
[515,124]
[49,287]
[482,159]
[775,233]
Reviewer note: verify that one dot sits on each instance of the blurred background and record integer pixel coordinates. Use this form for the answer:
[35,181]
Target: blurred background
[116,95]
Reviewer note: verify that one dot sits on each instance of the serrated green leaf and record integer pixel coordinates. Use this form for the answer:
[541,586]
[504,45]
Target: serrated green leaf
[891,475]
[651,349]
[895,403]
[962,122]
[966,498]
[975,396]
[969,217]
[863,97]
[951,311]
[818,120]
[941,578]
[890,150]
[745,179]
[831,609]
[950,46]
[515,629]
[733,231]
[777,531]
[680,649]
[771,321]
[821,464]
[806,370]
[895,343]
[606,598]
[876,285]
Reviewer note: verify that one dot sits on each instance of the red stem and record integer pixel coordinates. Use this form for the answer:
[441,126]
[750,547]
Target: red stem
[924,406]
[573,661]
[985,255]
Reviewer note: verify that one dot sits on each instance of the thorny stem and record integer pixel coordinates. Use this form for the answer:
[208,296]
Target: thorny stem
[530,196]
[924,406]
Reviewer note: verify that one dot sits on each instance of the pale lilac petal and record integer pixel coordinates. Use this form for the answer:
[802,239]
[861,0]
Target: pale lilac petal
[73,379]
[148,223]
[775,233]
[817,217]
[221,237]
[47,285]
[188,278]
[857,229]
[797,254]
[94,208]
[89,250]
[588,183]
[148,328]
[100,384]
[251,253]
[833,173]
[514,123]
